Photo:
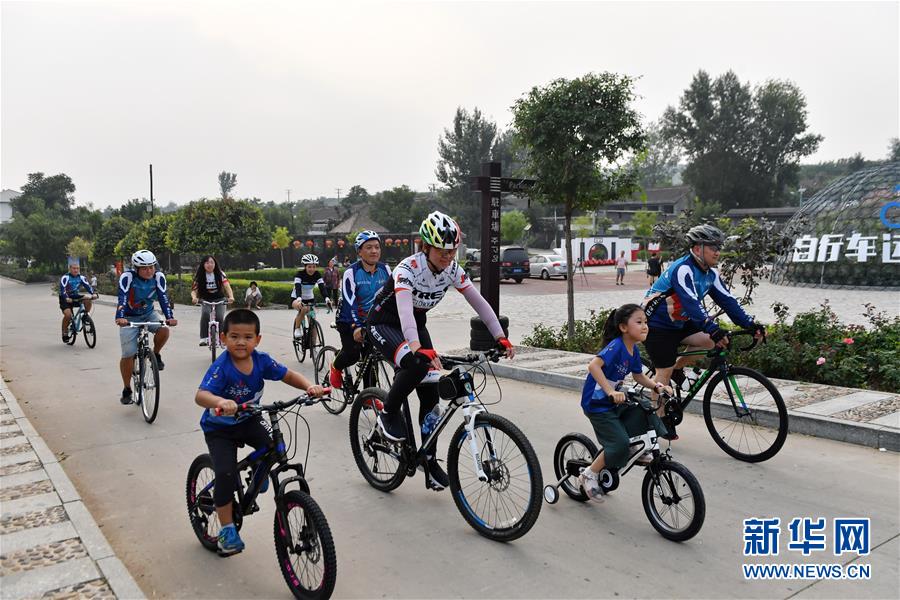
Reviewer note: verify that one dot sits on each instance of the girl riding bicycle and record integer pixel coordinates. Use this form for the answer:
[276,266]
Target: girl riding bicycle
[210,284]
[397,324]
[601,401]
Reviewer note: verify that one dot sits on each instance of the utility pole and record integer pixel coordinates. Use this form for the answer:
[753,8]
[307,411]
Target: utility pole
[338,193]
[151,189]
[288,195]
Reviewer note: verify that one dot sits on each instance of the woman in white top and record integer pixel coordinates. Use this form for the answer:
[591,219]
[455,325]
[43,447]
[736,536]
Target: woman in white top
[210,284]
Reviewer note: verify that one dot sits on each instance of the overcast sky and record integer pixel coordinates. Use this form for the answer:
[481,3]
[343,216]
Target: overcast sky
[314,97]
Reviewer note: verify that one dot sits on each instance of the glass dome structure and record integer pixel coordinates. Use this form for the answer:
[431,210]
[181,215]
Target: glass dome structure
[848,234]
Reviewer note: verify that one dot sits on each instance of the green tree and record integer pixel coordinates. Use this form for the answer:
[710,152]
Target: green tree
[355,199]
[582,226]
[743,146]
[461,150]
[111,233]
[706,211]
[41,235]
[219,227]
[55,191]
[281,239]
[642,222]
[509,154]
[78,247]
[512,226]
[227,182]
[134,240]
[134,210]
[603,224]
[577,133]
[397,207]
[894,150]
[658,163]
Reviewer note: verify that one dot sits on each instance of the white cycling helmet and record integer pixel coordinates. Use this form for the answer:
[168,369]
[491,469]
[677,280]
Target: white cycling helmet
[309,259]
[365,236]
[440,231]
[143,258]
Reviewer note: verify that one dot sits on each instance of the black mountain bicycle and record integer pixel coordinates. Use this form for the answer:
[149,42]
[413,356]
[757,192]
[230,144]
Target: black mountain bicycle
[145,373]
[495,475]
[743,410]
[372,370]
[303,542]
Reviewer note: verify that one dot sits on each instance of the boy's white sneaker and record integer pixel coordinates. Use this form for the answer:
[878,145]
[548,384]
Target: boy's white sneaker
[590,484]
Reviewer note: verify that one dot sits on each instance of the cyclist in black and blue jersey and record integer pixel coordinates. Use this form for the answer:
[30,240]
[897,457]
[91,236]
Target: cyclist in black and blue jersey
[70,285]
[675,313]
[360,283]
[139,287]
[305,281]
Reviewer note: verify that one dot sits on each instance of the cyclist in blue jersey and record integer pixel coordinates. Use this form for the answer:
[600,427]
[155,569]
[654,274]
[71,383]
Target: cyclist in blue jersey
[70,285]
[360,283]
[139,287]
[675,313]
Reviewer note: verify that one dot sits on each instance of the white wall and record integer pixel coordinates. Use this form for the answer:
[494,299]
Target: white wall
[613,246]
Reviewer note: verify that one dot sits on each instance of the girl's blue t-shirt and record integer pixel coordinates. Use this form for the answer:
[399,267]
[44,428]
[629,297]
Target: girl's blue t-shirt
[617,364]
[225,380]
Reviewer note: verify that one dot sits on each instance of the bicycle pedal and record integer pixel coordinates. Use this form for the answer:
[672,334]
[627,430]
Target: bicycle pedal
[227,554]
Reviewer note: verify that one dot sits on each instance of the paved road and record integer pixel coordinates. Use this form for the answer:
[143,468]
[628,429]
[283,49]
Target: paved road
[414,543]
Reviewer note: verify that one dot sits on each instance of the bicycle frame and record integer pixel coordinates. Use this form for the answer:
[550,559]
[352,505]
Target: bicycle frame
[214,323]
[719,362]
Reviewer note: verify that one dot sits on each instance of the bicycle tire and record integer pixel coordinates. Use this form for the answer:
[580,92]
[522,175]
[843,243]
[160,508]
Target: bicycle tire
[312,536]
[89,330]
[667,491]
[213,341]
[366,441]
[584,449]
[151,408]
[316,347]
[323,368]
[502,478]
[200,506]
[722,423]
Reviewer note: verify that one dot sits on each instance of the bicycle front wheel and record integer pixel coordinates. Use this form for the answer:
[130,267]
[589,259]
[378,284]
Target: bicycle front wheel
[506,506]
[673,500]
[148,387]
[213,341]
[90,331]
[323,361]
[745,414]
[73,333]
[381,462]
[307,559]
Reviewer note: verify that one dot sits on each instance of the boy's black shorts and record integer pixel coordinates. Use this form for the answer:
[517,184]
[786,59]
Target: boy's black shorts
[223,444]
[662,344]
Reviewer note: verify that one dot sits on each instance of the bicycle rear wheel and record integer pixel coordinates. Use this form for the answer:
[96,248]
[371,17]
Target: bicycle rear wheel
[381,462]
[308,561]
[745,414]
[201,509]
[323,361]
[90,331]
[148,385]
[299,347]
[673,500]
[578,449]
[506,506]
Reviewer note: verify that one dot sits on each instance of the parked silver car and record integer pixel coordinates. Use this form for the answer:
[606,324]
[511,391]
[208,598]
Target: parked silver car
[546,266]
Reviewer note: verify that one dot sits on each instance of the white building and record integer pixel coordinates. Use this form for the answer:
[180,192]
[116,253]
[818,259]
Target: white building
[604,247]
[6,198]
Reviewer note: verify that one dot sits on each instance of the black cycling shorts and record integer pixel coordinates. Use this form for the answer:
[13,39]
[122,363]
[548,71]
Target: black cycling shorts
[662,344]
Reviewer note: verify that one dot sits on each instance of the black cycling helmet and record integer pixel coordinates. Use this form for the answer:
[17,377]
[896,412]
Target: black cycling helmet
[705,235]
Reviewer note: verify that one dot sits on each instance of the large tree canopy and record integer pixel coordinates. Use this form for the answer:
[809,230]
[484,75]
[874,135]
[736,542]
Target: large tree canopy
[219,227]
[744,146]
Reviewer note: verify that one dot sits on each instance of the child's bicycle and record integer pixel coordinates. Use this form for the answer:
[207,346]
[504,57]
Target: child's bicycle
[145,373]
[213,331]
[672,497]
[81,321]
[495,475]
[303,542]
[744,411]
[311,337]
[372,370]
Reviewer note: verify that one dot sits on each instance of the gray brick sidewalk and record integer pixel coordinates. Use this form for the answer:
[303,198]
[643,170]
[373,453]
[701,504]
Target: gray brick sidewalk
[50,545]
[851,415]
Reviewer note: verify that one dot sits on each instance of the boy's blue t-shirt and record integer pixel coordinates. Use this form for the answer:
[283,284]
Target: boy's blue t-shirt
[223,379]
[617,364]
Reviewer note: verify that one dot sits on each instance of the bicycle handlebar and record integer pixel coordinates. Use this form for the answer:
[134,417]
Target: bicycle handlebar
[492,355]
[751,332]
[145,324]
[216,303]
[303,399]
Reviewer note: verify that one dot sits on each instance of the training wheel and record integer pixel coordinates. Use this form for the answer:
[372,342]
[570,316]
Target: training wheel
[551,494]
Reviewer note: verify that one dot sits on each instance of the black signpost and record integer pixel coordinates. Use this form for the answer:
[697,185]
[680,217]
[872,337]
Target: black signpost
[491,185]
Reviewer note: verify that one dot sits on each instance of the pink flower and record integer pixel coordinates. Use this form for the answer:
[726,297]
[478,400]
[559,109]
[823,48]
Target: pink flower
[848,341]
[821,361]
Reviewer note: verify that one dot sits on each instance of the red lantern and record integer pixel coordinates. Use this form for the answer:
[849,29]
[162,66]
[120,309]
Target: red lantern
[406,241]
[274,246]
[309,243]
[388,242]
[341,243]
[296,243]
[329,243]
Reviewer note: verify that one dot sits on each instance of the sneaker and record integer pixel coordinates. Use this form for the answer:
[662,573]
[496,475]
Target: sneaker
[298,333]
[670,430]
[644,459]
[392,426]
[374,402]
[437,478]
[65,338]
[126,396]
[591,485]
[204,342]
[229,541]
[159,361]
[335,378]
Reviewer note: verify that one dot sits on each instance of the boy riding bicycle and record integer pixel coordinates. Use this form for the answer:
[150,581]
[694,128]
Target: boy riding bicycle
[237,376]
[139,287]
